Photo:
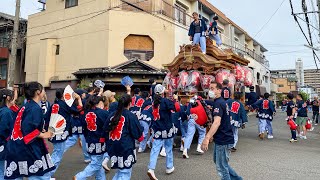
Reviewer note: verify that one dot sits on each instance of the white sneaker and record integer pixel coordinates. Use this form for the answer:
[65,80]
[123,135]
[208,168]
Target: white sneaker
[163,152]
[199,150]
[185,154]
[87,161]
[270,137]
[312,129]
[105,164]
[316,124]
[52,178]
[140,150]
[181,148]
[304,137]
[169,171]
[151,175]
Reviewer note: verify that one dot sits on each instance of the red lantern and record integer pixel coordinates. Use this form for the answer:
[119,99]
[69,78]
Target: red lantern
[183,79]
[205,81]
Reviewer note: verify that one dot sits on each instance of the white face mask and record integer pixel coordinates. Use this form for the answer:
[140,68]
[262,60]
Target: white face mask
[211,94]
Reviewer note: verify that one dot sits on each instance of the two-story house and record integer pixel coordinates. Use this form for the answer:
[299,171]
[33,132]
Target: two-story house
[73,39]
[6,31]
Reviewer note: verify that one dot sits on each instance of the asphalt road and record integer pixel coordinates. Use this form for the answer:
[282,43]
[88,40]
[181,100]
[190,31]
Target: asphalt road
[274,159]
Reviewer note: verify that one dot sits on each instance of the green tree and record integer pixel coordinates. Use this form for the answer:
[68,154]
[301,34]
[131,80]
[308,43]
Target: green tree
[305,96]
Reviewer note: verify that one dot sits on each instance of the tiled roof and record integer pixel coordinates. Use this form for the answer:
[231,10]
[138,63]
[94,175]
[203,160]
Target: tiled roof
[118,69]
[9,17]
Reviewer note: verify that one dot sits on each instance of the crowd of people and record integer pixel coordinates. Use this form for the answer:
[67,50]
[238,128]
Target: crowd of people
[110,130]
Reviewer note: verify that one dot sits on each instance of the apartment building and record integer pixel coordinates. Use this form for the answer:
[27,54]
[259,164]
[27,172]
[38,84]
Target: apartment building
[74,39]
[6,31]
[310,78]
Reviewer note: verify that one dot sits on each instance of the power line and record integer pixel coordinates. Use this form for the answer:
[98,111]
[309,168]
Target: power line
[295,18]
[269,18]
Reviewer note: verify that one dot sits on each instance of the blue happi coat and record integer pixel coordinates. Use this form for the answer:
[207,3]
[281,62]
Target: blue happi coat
[65,111]
[162,124]
[6,124]
[27,154]
[237,112]
[265,109]
[138,104]
[93,122]
[121,141]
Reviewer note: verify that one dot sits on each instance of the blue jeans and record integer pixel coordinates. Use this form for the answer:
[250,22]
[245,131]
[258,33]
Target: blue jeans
[94,168]
[44,177]
[262,125]
[192,126]
[183,128]
[269,127]
[57,154]
[235,131]
[1,169]
[197,38]
[156,147]
[216,38]
[123,174]
[72,140]
[145,126]
[221,156]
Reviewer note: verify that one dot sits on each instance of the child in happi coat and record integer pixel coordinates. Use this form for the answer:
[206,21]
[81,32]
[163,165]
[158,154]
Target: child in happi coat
[27,155]
[265,113]
[6,124]
[163,130]
[123,128]
[238,116]
[77,128]
[59,141]
[94,119]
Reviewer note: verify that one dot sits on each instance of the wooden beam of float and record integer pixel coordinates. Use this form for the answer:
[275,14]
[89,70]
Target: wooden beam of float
[191,58]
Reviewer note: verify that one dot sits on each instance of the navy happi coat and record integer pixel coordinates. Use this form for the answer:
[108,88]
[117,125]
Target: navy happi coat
[27,154]
[146,114]
[162,124]
[237,112]
[265,109]
[6,126]
[65,111]
[93,130]
[121,141]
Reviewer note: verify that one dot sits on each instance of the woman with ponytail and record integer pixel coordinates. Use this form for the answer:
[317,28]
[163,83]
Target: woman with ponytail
[163,129]
[94,118]
[123,128]
[6,124]
[27,155]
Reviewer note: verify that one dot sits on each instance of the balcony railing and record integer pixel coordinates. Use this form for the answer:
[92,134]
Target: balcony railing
[244,51]
[162,7]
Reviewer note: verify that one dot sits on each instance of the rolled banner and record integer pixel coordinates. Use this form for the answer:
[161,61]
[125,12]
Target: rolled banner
[57,124]
[127,81]
[99,84]
[68,95]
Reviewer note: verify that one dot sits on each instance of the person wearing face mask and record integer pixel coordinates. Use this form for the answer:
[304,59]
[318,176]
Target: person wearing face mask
[221,129]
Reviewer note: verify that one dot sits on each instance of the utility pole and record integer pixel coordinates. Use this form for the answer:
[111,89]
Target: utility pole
[14,46]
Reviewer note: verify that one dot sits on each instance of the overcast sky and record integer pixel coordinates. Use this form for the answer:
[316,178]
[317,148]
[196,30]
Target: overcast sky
[281,36]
